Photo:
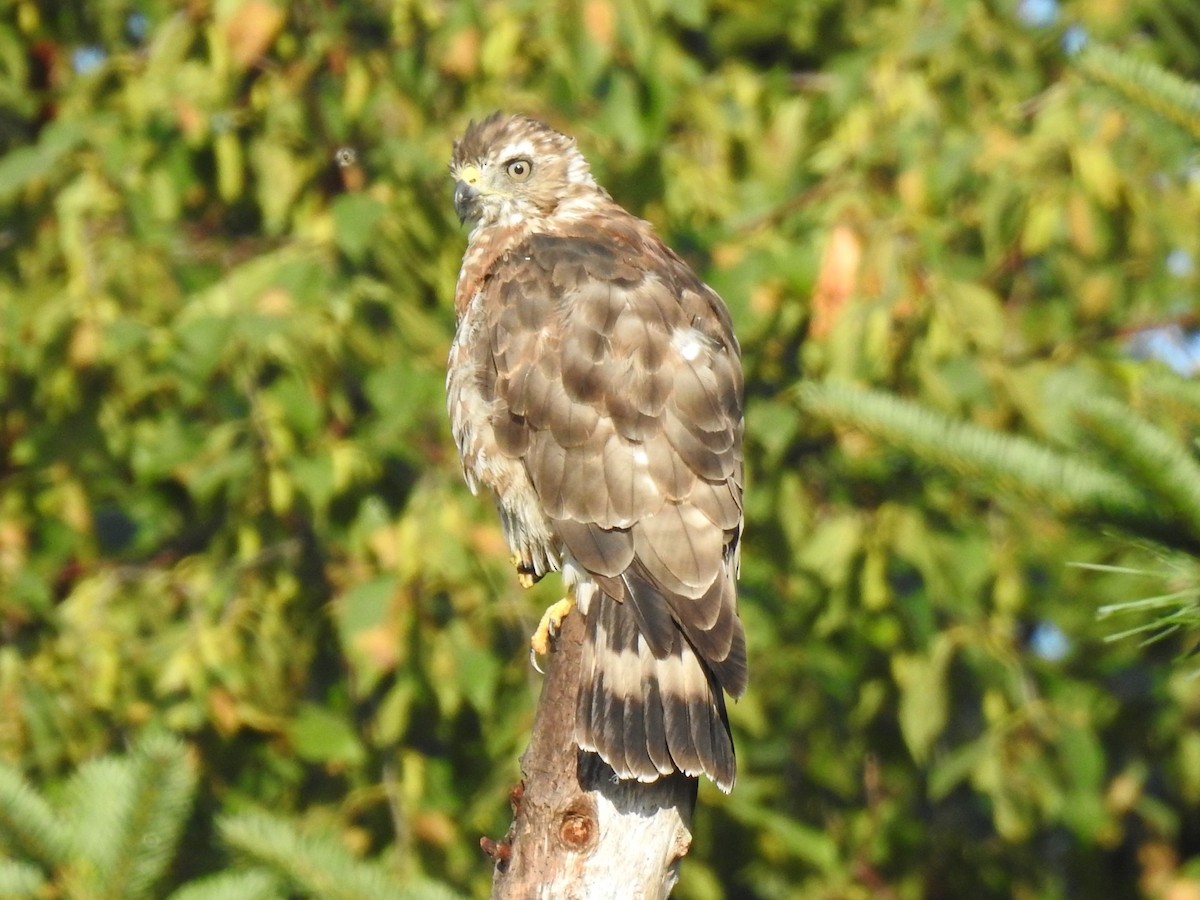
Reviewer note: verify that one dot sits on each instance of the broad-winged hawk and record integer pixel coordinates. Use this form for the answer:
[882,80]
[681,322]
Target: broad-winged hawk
[595,390]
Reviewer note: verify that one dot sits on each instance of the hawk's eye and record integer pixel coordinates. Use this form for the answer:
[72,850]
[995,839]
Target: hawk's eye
[519,169]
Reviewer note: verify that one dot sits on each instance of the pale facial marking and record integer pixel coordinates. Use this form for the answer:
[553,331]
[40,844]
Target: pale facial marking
[520,148]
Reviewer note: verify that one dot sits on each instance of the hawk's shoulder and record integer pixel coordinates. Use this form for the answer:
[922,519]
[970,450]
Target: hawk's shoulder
[601,266]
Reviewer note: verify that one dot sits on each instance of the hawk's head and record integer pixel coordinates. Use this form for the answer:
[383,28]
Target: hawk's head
[510,169]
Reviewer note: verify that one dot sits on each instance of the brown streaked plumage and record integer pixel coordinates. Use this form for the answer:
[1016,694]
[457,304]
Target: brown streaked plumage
[595,390]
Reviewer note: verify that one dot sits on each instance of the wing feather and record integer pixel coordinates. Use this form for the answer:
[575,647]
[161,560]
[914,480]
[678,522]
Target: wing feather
[607,552]
[705,461]
[697,396]
[720,501]
[615,378]
[546,463]
[680,549]
[669,470]
[629,483]
[527,390]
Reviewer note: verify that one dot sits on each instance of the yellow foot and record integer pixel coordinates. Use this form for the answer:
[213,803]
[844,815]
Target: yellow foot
[548,628]
[525,576]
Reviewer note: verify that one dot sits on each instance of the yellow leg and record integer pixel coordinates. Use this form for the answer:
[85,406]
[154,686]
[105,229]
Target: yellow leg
[551,622]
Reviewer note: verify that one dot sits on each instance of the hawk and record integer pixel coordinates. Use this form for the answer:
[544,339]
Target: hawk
[595,390]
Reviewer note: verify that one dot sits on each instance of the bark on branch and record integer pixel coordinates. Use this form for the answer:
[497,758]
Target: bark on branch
[578,832]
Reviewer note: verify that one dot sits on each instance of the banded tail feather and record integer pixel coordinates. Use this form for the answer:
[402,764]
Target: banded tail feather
[649,714]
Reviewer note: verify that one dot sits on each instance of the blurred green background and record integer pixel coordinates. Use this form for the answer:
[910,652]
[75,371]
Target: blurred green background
[230,508]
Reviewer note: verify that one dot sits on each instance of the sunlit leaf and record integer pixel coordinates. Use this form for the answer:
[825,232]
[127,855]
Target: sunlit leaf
[320,735]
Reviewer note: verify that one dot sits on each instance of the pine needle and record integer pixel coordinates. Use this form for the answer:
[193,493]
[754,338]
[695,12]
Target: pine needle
[1174,609]
[1144,85]
[1116,570]
[27,823]
[1161,601]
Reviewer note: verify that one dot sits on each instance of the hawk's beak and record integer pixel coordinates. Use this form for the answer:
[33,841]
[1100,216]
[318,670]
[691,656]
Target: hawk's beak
[466,194]
[466,200]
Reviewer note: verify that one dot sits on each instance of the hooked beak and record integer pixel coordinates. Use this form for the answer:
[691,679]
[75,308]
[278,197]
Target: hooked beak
[466,201]
[466,192]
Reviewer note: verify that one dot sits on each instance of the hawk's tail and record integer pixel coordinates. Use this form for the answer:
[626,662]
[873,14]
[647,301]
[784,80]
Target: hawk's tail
[648,715]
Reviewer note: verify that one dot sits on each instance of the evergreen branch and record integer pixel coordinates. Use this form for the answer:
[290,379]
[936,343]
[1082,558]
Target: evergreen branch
[97,804]
[318,865]
[1144,84]
[128,816]
[1150,454]
[1174,608]
[166,780]
[1069,484]
[18,879]
[252,884]
[27,823]
[1167,388]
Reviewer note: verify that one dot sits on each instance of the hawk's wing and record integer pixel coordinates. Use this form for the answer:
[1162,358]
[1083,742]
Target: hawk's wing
[615,377]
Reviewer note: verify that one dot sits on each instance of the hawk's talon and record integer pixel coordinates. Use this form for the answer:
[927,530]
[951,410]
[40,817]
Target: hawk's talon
[527,577]
[533,662]
[544,636]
